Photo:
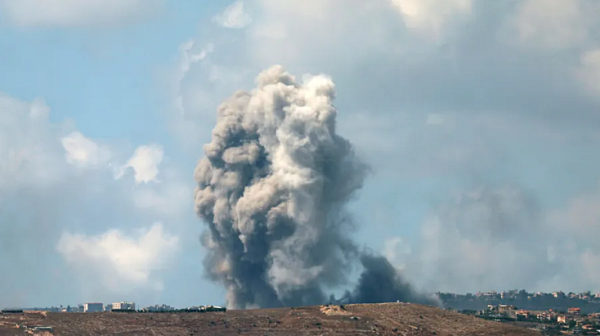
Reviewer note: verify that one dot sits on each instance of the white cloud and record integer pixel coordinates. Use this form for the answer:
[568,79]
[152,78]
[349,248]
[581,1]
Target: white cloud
[42,195]
[576,253]
[579,219]
[589,70]
[82,151]
[198,85]
[301,32]
[69,13]
[499,238]
[554,23]
[435,119]
[481,240]
[121,262]
[234,16]
[187,59]
[144,162]
[29,150]
[430,16]
[173,198]
[397,251]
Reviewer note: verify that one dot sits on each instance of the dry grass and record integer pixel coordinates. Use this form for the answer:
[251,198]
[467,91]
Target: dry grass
[334,310]
[366,319]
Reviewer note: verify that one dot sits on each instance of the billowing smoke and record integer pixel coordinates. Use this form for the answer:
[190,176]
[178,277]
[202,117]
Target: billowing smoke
[380,282]
[272,190]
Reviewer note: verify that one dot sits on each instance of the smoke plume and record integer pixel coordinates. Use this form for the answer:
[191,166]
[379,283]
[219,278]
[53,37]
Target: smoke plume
[272,189]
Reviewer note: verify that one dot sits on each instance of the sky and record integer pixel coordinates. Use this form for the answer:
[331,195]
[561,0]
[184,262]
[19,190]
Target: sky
[479,121]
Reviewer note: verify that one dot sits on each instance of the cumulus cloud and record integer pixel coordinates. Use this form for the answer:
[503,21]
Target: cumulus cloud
[431,16]
[188,58]
[479,240]
[198,85]
[82,151]
[396,249]
[165,198]
[435,119]
[554,23]
[44,192]
[589,70]
[580,218]
[144,162]
[576,253]
[74,13]
[121,261]
[416,78]
[499,238]
[234,16]
[27,143]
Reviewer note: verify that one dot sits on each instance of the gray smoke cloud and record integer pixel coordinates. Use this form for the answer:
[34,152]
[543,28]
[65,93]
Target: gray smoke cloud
[272,189]
[381,282]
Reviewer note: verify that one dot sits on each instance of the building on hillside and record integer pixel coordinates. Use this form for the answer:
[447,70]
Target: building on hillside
[12,311]
[561,319]
[507,310]
[211,308]
[544,317]
[522,315]
[123,306]
[93,307]
[574,311]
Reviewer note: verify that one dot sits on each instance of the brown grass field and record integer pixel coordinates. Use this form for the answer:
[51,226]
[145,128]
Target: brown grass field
[360,319]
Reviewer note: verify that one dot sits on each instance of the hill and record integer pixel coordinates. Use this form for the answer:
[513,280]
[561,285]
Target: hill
[360,319]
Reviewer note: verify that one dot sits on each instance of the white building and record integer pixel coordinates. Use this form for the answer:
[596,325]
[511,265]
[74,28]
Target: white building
[93,307]
[123,306]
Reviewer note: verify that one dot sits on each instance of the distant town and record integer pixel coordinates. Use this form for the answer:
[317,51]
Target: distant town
[98,307]
[553,313]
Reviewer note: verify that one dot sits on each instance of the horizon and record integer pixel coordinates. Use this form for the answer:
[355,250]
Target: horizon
[210,304]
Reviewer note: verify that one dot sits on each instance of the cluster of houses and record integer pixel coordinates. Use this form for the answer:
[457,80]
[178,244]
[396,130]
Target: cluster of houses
[197,309]
[130,307]
[208,308]
[572,320]
[98,307]
[514,294]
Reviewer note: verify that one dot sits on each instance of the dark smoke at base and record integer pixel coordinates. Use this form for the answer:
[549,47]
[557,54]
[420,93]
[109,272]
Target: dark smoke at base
[272,190]
[380,282]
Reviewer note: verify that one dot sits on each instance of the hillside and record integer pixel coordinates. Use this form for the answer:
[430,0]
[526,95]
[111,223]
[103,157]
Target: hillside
[374,319]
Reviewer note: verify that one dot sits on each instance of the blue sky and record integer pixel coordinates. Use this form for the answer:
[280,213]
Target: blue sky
[96,75]
[479,121]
